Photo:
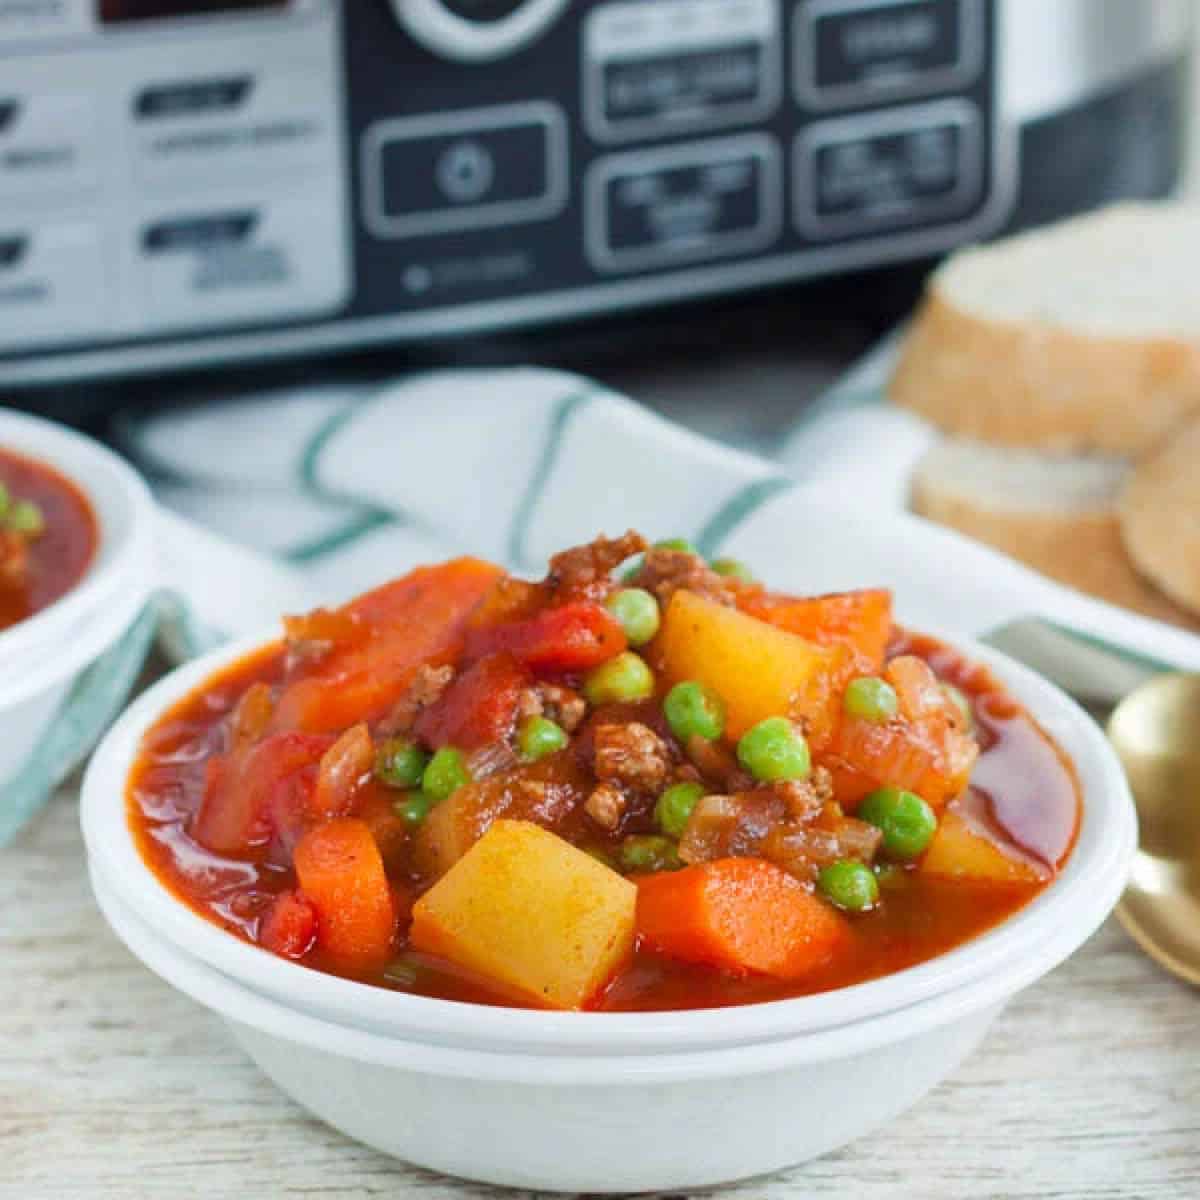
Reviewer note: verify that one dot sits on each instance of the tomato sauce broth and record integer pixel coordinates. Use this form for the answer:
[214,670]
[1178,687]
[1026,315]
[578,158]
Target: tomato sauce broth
[1023,788]
[59,557]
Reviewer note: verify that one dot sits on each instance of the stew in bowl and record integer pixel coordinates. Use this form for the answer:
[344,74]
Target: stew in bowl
[645,782]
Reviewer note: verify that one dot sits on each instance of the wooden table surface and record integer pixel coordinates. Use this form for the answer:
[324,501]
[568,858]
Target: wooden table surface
[114,1086]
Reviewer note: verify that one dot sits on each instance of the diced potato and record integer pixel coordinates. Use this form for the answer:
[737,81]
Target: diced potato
[958,852]
[758,670]
[532,912]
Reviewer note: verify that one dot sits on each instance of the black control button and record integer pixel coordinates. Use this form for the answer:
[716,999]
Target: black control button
[462,171]
[192,97]
[851,51]
[693,202]
[883,170]
[10,109]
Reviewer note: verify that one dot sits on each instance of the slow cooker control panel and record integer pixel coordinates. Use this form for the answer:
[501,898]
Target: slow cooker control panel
[622,140]
[378,169]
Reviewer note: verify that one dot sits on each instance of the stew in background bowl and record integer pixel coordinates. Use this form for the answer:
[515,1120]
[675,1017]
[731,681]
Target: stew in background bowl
[48,536]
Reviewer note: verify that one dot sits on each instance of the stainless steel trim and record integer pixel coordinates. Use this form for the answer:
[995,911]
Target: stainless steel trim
[1055,53]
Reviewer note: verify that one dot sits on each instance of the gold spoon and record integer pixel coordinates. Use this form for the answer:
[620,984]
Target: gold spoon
[1156,733]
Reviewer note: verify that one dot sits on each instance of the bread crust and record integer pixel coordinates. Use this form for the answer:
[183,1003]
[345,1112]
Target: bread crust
[1159,511]
[1082,549]
[1043,386]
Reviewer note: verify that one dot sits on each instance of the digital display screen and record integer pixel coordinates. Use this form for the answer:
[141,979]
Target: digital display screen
[120,12]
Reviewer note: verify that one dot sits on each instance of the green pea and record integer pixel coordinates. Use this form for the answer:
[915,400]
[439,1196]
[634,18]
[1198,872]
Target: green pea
[676,543]
[649,852]
[5,500]
[637,612]
[907,822]
[400,763]
[674,807]
[850,885]
[538,737]
[25,517]
[732,568]
[872,699]
[693,710]
[445,774]
[414,808]
[625,677]
[774,749]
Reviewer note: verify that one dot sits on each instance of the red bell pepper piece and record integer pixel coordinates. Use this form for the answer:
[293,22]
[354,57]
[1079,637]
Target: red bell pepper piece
[479,708]
[289,926]
[571,637]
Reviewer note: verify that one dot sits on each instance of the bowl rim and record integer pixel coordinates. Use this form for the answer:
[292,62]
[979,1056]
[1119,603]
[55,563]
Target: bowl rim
[86,645]
[121,554]
[242,1005]
[1104,848]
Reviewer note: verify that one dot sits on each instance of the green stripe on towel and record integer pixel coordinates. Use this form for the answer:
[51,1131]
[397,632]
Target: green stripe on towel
[737,509]
[560,421]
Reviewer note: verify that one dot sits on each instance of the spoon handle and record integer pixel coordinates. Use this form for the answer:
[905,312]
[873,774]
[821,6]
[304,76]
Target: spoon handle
[1096,672]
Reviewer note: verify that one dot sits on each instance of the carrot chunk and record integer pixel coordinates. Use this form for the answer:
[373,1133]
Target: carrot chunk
[861,620]
[419,619]
[341,871]
[742,915]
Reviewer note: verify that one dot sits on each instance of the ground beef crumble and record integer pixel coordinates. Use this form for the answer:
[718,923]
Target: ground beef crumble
[632,756]
[426,689]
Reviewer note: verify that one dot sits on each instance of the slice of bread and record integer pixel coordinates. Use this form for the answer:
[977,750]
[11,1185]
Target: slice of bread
[1084,336]
[1160,516]
[1056,514]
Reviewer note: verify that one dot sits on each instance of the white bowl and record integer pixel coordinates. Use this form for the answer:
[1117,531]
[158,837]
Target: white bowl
[124,514]
[621,1123]
[1072,907]
[65,670]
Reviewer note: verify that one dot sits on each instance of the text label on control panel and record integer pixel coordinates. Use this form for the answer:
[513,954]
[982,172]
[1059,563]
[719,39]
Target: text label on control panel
[903,167]
[850,52]
[688,203]
[651,70]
